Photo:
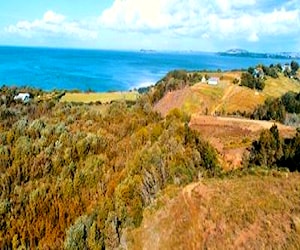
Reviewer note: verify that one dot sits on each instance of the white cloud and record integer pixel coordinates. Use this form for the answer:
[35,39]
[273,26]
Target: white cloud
[253,37]
[207,23]
[52,17]
[53,24]
[221,19]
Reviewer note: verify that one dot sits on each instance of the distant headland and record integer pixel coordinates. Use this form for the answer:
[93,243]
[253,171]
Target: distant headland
[245,53]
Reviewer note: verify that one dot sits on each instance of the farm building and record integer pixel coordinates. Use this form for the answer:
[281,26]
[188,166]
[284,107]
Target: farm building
[24,97]
[286,67]
[213,81]
[258,73]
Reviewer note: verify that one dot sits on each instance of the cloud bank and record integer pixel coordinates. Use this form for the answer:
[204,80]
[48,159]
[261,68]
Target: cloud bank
[220,19]
[53,24]
[204,24]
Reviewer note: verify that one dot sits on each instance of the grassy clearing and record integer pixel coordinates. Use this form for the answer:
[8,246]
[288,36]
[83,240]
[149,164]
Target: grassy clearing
[278,87]
[248,212]
[243,99]
[106,97]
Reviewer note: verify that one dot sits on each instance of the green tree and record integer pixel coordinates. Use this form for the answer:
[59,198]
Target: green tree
[294,67]
[267,151]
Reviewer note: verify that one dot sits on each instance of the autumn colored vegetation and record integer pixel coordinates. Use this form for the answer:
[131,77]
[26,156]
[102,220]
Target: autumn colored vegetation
[81,176]
[174,80]
[78,176]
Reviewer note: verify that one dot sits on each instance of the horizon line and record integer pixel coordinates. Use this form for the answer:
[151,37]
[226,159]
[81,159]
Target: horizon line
[142,50]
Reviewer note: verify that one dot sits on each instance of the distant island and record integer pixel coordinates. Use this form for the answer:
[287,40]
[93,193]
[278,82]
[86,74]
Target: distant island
[147,50]
[245,53]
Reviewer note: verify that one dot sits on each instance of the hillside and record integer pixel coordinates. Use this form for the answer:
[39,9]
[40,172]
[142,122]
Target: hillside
[230,136]
[248,212]
[77,175]
[225,97]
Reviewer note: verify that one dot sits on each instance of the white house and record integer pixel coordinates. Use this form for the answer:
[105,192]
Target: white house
[24,97]
[203,80]
[258,73]
[213,81]
[286,67]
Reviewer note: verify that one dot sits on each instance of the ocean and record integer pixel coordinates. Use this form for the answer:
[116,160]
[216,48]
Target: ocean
[104,70]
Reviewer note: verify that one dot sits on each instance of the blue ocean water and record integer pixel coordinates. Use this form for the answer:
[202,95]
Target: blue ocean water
[101,70]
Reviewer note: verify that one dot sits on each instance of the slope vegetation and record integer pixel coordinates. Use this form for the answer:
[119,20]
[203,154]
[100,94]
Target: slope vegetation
[250,212]
[230,136]
[225,97]
[78,176]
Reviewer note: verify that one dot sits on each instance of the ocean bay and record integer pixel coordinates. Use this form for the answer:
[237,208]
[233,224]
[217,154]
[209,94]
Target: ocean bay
[105,70]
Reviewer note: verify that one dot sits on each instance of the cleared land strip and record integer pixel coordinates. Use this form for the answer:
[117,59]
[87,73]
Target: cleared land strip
[253,125]
[232,136]
[100,97]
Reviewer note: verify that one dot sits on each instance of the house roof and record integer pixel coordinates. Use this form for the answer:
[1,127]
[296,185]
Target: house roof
[214,79]
[22,96]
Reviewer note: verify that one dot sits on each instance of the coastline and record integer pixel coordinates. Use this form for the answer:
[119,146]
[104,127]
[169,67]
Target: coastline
[105,70]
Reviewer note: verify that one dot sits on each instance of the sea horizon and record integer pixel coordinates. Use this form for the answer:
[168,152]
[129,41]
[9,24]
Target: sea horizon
[141,49]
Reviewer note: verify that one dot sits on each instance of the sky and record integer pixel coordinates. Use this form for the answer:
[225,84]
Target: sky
[177,25]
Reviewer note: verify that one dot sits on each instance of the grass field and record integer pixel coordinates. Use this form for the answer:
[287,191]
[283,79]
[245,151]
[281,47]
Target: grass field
[105,97]
[281,85]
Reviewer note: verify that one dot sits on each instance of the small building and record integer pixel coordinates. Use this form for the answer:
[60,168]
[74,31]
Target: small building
[286,67]
[258,73]
[203,80]
[24,97]
[213,80]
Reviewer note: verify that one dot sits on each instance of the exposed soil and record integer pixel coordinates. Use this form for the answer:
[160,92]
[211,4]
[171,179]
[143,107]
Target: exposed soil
[250,212]
[171,100]
[232,136]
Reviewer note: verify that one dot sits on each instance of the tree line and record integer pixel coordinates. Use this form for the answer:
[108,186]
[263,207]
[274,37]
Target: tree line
[272,151]
[277,109]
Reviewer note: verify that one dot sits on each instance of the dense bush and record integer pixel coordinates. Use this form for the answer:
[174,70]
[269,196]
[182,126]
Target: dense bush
[294,67]
[271,150]
[78,175]
[291,102]
[272,109]
[277,108]
[248,80]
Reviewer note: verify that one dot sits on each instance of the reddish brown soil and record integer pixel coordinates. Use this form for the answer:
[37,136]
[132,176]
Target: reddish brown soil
[248,212]
[232,136]
[171,100]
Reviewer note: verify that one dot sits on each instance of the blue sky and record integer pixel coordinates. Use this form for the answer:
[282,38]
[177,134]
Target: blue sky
[202,25]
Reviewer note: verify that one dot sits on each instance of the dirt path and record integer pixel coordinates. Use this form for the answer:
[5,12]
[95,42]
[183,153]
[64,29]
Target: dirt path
[187,193]
[225,97]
